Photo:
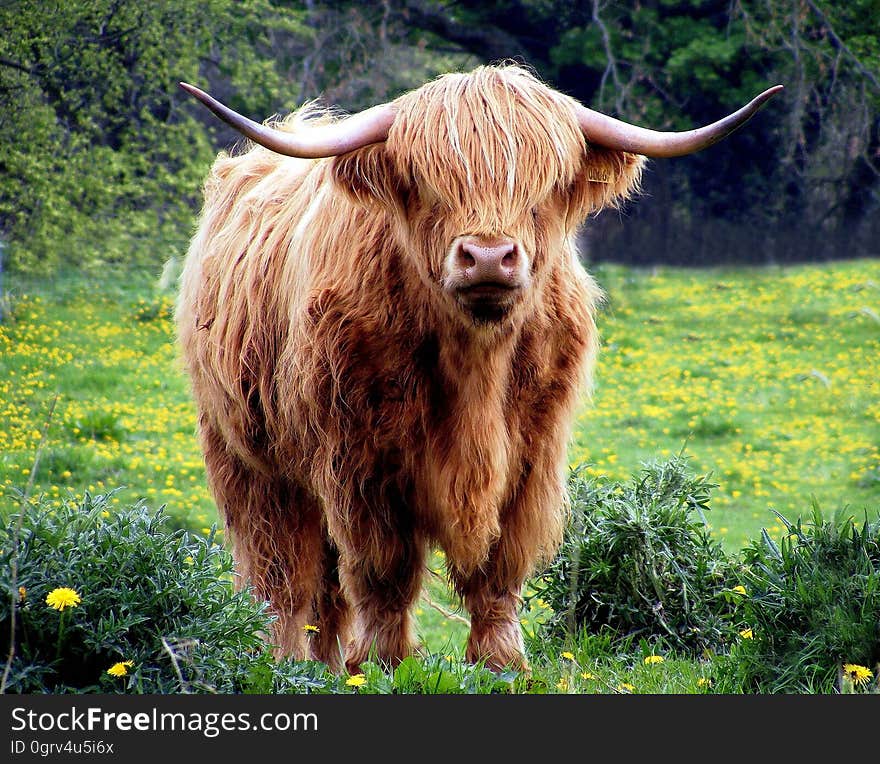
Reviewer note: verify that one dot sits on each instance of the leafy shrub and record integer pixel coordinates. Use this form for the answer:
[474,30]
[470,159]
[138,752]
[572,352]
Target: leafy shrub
[812,605]
[157,606]
[637,561]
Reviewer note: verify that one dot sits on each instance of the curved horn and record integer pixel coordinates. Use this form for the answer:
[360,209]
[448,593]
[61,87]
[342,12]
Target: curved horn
[621,136]
[362,129]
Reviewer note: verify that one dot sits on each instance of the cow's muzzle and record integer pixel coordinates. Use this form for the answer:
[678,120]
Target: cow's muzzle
[486,276]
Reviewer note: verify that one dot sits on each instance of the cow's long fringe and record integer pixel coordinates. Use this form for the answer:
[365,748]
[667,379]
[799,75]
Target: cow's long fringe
[347,408]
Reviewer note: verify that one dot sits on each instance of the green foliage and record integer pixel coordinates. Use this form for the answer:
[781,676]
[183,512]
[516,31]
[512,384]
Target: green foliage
[636,560]
[159,308]
[812,604]
[162,600]
[436,675]
[100,162]
[158,607]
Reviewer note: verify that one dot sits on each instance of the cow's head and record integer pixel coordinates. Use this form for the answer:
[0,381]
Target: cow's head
[487,175]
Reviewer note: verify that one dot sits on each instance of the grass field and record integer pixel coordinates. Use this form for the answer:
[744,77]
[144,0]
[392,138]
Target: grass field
[767,378]
[770,378]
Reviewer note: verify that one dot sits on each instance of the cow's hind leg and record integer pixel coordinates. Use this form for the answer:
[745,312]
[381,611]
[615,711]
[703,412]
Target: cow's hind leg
[280,547]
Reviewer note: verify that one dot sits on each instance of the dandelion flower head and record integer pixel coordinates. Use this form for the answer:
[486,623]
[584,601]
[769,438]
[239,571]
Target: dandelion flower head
[63,597]
[857,674]
[120,669]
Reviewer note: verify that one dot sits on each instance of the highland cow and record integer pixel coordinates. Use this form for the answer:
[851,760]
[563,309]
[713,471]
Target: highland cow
[387,330]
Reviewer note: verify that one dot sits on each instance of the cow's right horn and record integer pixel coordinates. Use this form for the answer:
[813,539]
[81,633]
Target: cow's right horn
[361,129]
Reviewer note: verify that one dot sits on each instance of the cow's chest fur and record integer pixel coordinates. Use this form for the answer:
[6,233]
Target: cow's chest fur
[429,433]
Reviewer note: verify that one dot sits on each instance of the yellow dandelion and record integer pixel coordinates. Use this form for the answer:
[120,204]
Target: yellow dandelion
[62,598]
[587,675]
[309,629]
[626,687]
[562,684]
[22,594]
[650,660]
[567,655]
[739,590]
[857,674]
[356,680]
[704,682]
[120,669]
[747,634]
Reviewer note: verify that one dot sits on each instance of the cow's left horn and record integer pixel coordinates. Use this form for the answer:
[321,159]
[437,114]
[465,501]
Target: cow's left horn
[621,136]
[361,129]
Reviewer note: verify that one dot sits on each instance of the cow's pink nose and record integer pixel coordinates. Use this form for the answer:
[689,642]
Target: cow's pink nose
[497,263]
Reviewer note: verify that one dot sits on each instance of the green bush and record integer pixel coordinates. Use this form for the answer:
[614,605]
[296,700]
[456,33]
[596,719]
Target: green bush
[156,604]
[812,605]
[637,559]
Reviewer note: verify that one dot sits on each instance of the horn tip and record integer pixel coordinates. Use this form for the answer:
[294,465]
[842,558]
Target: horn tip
[195,92]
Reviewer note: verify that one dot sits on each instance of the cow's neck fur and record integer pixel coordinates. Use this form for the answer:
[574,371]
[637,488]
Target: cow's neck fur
[470,482]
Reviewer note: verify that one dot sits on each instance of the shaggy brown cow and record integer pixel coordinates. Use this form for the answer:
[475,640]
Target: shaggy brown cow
[386,346]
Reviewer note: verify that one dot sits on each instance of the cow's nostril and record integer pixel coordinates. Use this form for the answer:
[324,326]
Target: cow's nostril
[510,258]
[465,258]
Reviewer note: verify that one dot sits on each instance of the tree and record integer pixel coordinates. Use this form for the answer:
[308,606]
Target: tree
[99,161]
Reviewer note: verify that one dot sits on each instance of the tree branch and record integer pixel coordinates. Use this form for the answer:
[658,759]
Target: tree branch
[611,61]
[18,66]
[841,45]
[484,40]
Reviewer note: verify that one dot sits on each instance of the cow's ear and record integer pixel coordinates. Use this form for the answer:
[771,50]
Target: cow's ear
[609,178]
[368,176]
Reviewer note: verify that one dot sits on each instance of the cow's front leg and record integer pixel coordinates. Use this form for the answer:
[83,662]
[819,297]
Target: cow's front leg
[492,596]
[381,566]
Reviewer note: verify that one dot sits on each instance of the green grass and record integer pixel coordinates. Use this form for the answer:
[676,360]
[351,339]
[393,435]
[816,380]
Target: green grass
[768,377]
[124,417]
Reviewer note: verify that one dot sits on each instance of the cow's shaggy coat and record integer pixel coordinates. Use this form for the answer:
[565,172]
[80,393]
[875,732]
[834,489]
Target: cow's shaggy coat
[352,412]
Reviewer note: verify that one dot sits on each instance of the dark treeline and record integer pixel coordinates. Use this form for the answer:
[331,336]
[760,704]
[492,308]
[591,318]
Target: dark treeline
[102,157]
